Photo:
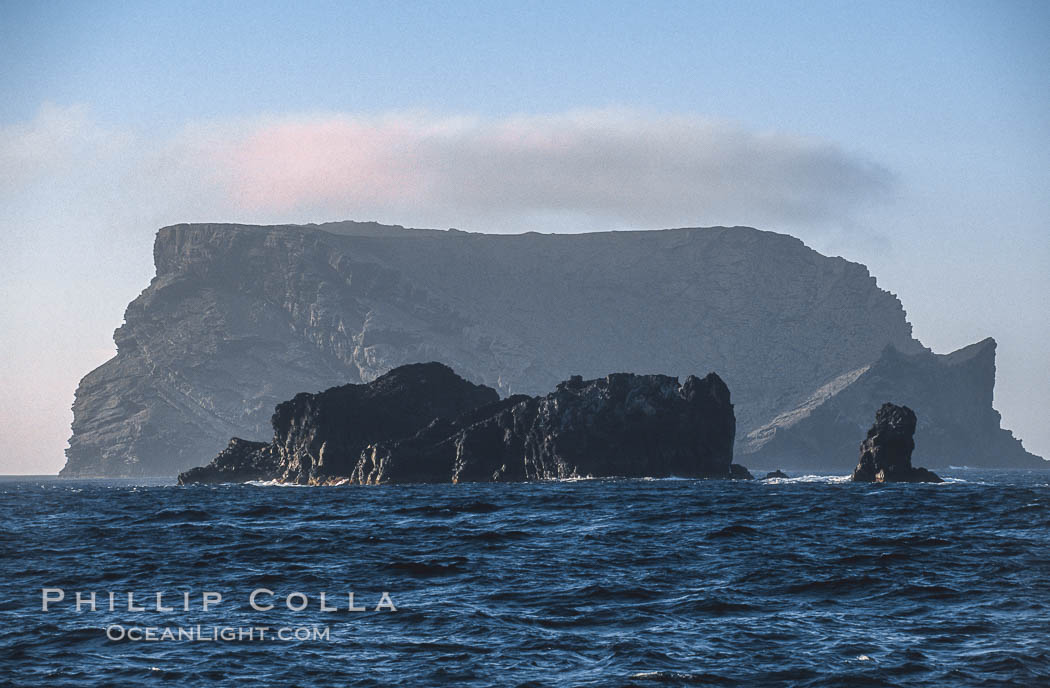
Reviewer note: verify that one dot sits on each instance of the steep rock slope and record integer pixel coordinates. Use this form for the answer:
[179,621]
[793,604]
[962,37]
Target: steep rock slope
[241,317]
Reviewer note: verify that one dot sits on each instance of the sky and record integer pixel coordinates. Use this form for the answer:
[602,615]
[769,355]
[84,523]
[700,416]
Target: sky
[911,137]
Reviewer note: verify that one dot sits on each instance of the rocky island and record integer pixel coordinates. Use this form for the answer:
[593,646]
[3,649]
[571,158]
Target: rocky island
[239,318]
[423,423]
[885,454]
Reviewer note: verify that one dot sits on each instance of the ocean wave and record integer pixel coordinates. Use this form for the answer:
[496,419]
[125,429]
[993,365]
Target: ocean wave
[683,677]
[449,509]
[176,516]
[733,531]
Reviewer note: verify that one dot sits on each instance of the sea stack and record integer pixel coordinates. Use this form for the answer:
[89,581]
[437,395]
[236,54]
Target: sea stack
[885,454]
[422,423]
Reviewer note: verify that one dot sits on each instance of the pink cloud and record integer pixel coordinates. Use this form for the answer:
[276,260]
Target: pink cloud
[617,165]
[283,165]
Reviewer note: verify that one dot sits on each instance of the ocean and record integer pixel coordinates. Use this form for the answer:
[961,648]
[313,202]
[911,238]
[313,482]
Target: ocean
[809,581]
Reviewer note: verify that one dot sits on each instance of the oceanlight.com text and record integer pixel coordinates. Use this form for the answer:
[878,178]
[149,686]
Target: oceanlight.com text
[216,634]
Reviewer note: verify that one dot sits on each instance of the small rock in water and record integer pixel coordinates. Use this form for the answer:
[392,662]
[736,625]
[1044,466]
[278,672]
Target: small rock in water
[775,474]
[738,472]
[885,455]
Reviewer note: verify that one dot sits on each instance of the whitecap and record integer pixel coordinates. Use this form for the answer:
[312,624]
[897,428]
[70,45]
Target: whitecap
[273,483]
[826,479]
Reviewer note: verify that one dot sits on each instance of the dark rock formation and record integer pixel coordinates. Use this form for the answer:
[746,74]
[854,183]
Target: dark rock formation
[240,317]
[775,474]
[623,425]
[738,472]
[241,461]
[318,438]
[885,455]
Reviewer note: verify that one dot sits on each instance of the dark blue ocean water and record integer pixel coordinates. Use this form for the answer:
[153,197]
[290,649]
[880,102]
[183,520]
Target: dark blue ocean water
[806,582]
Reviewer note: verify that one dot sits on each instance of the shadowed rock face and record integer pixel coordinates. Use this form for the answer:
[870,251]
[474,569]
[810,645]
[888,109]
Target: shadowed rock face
[422,423]
[885,455]
[239,318]
[622,425]
[241,461]
[318,438]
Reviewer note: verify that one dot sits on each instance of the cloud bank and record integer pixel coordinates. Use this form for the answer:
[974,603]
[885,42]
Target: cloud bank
[560,172]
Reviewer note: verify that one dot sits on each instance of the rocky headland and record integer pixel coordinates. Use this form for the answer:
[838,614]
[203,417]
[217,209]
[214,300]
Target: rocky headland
[885,454]
[239,318]
[424,424]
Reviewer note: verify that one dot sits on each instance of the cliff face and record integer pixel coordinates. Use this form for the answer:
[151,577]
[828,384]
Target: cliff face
[241,317]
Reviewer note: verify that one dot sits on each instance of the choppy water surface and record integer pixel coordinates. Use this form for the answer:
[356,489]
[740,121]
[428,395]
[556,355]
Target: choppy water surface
[807,582]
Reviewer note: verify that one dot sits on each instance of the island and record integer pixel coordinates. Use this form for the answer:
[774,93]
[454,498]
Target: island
[239,318]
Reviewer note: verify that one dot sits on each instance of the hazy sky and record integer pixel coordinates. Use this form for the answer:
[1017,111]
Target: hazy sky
[912,137]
